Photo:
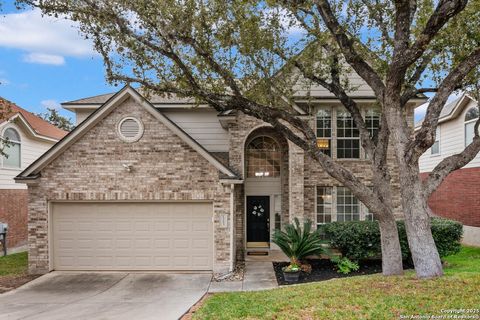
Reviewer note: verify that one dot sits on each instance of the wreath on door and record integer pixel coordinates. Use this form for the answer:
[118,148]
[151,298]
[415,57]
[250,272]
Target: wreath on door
[258,210]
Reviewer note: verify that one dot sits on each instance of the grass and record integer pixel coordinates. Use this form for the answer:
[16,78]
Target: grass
[14,264]
[362,297]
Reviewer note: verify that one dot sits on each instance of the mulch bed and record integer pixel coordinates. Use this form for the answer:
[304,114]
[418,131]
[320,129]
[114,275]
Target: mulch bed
[8,283]
[324,269]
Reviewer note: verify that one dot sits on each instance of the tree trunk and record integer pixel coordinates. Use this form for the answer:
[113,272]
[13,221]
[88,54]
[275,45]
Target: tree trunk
[391,251]
[417,223]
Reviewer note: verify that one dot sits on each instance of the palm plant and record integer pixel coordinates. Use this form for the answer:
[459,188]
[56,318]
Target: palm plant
[297,243]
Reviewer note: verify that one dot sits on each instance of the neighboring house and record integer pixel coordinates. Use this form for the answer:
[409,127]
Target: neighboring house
[458,196]
[29,136]
[164,184]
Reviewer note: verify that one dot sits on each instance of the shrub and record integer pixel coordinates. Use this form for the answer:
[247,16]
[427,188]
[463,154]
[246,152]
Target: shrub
[360,240]
[297,242]
[344,265]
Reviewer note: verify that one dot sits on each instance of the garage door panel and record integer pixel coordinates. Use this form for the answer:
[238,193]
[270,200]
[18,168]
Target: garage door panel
[132,236]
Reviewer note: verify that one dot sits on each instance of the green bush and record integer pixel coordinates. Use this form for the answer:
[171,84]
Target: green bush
[344,265]
[360,240]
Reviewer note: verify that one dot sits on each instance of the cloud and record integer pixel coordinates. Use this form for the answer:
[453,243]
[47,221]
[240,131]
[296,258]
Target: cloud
[44,58]
[50,104]
[4,82]
[41,36]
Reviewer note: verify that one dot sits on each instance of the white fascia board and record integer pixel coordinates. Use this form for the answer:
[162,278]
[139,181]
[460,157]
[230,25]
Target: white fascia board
[28,127]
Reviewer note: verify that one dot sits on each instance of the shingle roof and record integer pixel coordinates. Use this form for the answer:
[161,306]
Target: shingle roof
[39,125]
[154,99]
[447,110]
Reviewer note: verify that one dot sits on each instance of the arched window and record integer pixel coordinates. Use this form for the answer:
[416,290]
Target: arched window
[263,158]
[11,157]
[470,118]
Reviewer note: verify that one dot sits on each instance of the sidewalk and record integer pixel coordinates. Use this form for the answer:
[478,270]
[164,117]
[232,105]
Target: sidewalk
[259,275]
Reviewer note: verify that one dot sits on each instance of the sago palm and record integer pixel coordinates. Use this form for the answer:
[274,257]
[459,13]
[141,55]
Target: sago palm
[297,243]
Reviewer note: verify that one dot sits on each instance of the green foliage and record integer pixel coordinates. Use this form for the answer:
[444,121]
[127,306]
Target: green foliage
[297,242]
[359,240]
[59,121]
[344,265]
[292,268]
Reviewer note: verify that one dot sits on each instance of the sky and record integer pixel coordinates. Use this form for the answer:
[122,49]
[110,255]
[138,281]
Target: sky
[45,61]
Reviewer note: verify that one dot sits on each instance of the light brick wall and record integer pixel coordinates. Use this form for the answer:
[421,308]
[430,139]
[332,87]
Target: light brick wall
[163,168]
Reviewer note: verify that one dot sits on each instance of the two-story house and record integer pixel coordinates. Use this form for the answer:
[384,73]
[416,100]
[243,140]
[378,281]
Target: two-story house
[458,196]
[165,184]
[29,137]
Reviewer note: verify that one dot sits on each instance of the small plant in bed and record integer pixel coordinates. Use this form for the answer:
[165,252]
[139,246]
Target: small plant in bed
[344,265]
[298,242]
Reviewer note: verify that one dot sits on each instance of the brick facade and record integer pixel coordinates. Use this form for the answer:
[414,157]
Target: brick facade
[457,197]
[13,210]
[163,168]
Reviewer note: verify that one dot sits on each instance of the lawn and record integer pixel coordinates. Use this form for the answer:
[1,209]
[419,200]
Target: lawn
[13,271]
[362,297]
[14,264]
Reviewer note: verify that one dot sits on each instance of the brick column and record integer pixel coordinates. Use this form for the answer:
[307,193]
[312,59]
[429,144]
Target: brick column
[296,182]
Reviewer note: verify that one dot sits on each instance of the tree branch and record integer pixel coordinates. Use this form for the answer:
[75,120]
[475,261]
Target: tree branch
[445,10]
[452,163]
[425,137]
[346,45]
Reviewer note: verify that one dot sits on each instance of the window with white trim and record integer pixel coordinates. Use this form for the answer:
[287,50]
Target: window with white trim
[339,204]
[11,149]
[324,130]
[470,118]
[263,158]
[372,121]
[348,138]
[435,149]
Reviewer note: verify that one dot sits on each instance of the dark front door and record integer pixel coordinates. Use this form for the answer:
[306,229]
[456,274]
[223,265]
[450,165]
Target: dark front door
[258,218]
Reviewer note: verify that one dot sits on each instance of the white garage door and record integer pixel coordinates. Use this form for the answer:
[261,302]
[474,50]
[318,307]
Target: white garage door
[132,236]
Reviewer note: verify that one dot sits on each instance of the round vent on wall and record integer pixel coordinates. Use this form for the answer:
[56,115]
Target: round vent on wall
[130,129]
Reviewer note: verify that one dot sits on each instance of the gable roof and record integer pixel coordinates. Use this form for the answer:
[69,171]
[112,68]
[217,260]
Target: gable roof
[450,110]
[102,98]
[32,171]
[37,126]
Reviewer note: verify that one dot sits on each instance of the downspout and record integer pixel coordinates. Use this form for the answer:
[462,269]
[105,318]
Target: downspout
[232,186]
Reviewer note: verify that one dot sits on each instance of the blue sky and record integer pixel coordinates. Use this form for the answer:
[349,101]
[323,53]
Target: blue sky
[44,61]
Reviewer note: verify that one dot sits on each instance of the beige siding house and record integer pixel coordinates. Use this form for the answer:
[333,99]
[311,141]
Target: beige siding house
[154,183]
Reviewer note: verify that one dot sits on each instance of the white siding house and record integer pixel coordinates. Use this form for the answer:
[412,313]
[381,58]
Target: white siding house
[453,132]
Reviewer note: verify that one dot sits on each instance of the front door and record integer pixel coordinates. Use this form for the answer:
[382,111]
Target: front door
[258,221]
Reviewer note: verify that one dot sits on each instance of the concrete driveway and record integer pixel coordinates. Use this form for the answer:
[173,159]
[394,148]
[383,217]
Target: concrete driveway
[62,295]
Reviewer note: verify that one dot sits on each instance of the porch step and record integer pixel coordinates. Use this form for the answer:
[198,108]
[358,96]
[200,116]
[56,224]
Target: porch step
[257,253]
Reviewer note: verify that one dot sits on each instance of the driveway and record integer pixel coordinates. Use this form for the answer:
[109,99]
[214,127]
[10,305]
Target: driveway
[62,295]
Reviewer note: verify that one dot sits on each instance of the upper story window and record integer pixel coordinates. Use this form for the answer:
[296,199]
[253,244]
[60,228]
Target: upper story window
[337,134]
[12,150]
[372,121]
[435,149]
[348,138]
[263,157]
[470,118]
[324,130]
